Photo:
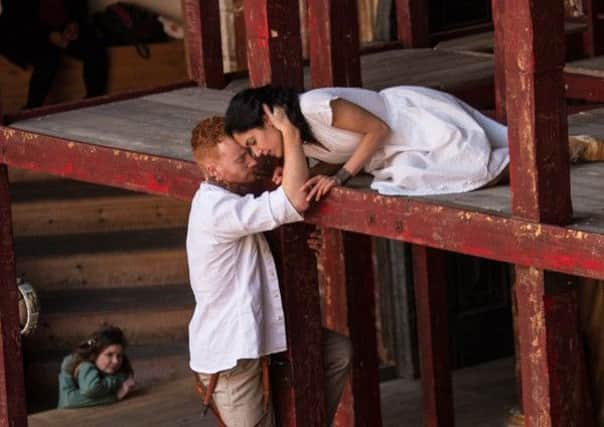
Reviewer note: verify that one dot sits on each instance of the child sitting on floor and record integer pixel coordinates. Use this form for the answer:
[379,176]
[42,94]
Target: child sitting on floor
[97,372]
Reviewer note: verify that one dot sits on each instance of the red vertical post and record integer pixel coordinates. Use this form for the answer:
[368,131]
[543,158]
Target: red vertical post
[203,42]
[13,410]
[412,23]
[274,54]
[538,131]
[429,273]
[274,44]
[298,391]
[348,285]
[554,386]
[593,38]
[498,10]
[334,43]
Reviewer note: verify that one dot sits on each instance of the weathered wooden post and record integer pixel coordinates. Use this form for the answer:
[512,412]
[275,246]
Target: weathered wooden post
[203,42]
[593,38]
[274,44]
[13,410]
[345,269]
[334,43]
[429,277]
[552,364]
[275,56]
[498,10]
[412,23]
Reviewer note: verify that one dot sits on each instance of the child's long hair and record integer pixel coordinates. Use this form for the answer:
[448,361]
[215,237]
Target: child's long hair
[102,338]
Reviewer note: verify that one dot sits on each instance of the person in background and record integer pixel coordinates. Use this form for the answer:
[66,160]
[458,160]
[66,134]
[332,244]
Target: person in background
[98,371]
[38,32]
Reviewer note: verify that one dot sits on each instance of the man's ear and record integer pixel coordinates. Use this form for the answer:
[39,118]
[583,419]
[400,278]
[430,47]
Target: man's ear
[212,171]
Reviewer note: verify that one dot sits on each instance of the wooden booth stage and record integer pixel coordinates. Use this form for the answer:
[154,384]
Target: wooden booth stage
[138,143]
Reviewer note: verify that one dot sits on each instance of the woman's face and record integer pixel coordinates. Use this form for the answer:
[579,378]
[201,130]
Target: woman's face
[262,141]
[109,360]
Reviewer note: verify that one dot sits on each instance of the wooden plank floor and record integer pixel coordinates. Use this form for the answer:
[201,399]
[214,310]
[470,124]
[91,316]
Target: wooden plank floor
[160,124]
[588,67]
[483,395]
[448,71]
[483,42]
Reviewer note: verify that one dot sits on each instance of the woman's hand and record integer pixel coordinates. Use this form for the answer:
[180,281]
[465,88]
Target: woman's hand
[278,118]
[318,186]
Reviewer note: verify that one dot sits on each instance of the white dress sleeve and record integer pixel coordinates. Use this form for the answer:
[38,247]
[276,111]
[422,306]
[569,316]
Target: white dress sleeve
[316,105]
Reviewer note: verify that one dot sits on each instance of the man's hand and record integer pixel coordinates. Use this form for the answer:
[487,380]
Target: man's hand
[62,39]
[56,39]
[71,32]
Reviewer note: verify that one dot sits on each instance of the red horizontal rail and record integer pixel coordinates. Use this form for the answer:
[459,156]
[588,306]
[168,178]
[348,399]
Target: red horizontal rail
[98,164]
[416,221]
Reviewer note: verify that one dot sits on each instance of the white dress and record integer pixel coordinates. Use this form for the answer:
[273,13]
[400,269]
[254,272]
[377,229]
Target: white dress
[437,145]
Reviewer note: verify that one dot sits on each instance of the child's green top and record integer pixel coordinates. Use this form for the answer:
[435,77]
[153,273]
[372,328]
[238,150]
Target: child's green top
[91,388]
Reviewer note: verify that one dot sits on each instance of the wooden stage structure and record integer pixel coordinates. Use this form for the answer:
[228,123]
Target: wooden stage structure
[138,141]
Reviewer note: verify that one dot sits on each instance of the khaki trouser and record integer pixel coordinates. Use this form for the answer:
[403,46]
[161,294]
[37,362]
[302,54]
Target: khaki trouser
[238,393]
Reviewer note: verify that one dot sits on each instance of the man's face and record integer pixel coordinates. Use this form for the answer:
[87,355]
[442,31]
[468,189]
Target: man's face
[234,164]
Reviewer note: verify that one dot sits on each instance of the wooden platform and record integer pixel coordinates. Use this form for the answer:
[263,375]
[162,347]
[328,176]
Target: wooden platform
[160,124]
[483,42]
[439,69]
[483,396]
[589,67]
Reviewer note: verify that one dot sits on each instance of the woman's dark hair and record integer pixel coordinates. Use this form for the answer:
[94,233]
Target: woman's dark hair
[88,351]
[245,110]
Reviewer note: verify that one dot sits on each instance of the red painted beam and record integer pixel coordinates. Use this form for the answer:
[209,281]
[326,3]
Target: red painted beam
[334,43]
[299,393]
[13,410]
[412,23]
[587,88]
[429,277]
[539,170]
[498,11]
[100,165]
[512,240]
[203,42]
[274,44]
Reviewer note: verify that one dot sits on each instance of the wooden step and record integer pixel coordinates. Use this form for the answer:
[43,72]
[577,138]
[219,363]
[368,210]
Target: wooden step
[152,364]
[154,314]
[134,212]
[103,260]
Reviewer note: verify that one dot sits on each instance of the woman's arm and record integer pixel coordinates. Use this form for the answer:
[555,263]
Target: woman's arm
[349,116]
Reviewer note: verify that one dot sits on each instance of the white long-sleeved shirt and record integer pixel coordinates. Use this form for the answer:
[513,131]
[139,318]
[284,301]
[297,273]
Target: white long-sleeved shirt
[238,313]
